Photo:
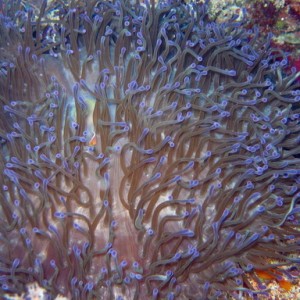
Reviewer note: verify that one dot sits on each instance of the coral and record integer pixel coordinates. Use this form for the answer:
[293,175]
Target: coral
[145,152]
[294,8]
[264,14]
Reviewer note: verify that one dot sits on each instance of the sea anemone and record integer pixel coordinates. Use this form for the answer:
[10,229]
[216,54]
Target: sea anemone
[146,153]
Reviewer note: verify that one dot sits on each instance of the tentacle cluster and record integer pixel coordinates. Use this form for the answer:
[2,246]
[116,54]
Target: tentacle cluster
[145,152]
